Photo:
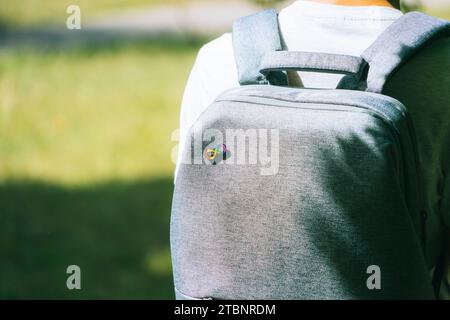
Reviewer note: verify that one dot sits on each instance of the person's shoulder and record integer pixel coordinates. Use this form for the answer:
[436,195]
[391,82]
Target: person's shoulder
[216,49]
[433,63]
[439,48]
[432,60]
[425,76]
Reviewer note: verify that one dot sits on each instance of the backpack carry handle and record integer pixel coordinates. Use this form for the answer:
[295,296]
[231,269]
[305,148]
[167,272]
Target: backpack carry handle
[351,66]
[311,61]
[257,35]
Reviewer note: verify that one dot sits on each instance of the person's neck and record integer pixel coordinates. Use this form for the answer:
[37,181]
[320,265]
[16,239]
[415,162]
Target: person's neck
[382,3]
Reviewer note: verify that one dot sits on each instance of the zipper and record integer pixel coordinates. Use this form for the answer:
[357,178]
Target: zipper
[291,104]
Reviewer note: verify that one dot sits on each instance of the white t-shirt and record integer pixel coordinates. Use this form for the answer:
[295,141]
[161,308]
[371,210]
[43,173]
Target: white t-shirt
[304,26]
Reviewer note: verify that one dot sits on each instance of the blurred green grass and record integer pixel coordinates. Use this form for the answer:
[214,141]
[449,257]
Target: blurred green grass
[443,13]
[85,170]
[119,103]
[31,13]
[85,166]
[117,232]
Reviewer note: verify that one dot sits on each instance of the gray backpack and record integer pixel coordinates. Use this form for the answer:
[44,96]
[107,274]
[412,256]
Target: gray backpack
[287,193]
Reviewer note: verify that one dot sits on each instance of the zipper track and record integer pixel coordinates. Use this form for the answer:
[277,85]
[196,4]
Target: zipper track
[295,105]
[400,111]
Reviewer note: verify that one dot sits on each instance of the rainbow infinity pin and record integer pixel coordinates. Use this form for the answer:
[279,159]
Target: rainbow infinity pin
[220,152]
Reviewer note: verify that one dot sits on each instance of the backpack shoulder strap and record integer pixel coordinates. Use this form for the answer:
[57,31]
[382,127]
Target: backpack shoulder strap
[253,37]
[398,43]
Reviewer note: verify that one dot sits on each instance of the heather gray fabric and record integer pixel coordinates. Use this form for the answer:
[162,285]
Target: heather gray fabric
[352,66]
[343,199]
[254,36]
[310,61]
[347,194]
[398,43]
[257,36]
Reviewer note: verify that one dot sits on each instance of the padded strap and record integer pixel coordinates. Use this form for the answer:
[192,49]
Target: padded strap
[253,37]
[398,43]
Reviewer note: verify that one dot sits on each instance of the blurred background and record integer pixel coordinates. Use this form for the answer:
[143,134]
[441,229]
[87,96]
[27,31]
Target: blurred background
[86,119]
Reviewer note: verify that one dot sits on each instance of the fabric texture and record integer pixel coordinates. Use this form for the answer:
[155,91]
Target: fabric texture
[262,28]
[304,26]
[422,86]
[394,47]
[342,200]
[311,61]
[400,41]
